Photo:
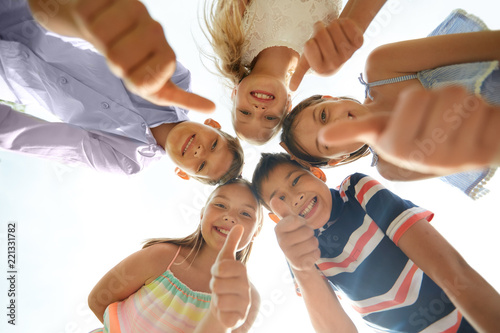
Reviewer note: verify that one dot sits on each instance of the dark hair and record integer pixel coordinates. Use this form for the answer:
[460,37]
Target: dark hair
[236,167]
[268,162]
[195,240]
[288,137]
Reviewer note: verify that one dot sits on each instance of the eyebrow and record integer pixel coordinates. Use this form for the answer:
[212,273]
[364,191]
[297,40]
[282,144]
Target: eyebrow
[286,179]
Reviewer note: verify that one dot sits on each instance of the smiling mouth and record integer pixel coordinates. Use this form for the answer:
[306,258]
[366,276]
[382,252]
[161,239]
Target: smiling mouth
[350,116]
[222,231]
[187,144]
[309,207]
[262,96]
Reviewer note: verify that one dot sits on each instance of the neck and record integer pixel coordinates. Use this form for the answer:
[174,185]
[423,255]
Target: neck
[205,258]
[276,61]
[160,133]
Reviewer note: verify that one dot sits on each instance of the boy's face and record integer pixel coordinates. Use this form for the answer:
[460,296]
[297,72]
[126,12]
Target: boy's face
[313,118]
[302,192]
[228,206]
[260,102]
[199,150]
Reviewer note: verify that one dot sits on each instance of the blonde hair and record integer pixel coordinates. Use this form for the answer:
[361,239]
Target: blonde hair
[195,240]
[227,37]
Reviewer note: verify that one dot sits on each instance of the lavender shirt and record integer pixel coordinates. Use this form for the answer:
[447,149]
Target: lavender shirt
[104,126]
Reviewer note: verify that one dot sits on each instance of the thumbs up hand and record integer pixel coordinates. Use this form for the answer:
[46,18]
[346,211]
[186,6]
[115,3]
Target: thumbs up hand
[229,284]
[295,237]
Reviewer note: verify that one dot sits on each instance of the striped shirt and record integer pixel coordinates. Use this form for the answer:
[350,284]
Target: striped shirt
[361,259]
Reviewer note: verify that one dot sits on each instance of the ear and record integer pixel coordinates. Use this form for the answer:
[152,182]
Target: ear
[212,123]
[289,103]
[202,212]
[179,172]
[274,217]
[318,173]
[257,232]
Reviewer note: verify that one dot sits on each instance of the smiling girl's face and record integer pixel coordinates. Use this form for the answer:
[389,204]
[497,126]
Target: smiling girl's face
[260,103]
[228,206]
[313,118]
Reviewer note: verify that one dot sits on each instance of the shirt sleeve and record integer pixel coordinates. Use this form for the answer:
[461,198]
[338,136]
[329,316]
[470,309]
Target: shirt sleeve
[68,144]
[392,214]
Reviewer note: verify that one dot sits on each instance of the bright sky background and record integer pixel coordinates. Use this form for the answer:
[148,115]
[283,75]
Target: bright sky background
[73,225]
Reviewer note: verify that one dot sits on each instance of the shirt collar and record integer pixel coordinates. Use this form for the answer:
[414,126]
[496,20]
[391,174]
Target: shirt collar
[334,214]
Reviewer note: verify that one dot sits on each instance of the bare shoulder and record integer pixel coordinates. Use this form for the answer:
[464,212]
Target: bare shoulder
[159,256]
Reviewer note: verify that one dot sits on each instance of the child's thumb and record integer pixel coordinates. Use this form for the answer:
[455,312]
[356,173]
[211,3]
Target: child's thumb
[230,246]
[280,208]
[300,71]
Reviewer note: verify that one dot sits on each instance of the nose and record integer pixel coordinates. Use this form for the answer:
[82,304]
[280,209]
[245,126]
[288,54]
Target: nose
[199,151]
[229,218]
[298,200]
[256,106]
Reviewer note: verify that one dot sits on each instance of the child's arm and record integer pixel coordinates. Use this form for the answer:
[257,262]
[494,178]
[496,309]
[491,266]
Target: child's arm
[416,55]
[362,12]
[128,276]
[300,247]
[429,132]
[331,46]
[234,303]
[478,301]
[66,143]
[134,44]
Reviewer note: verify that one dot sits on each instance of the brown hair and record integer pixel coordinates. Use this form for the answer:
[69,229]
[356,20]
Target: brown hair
[195,240]
[288,137]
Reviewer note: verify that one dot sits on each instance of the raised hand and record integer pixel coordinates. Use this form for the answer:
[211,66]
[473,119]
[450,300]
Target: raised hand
[230,286]
[439,131]
[328,49]
[136,49]
[295,237]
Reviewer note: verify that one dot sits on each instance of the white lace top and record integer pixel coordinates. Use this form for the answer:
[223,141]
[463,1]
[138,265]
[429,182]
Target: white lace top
[284,23]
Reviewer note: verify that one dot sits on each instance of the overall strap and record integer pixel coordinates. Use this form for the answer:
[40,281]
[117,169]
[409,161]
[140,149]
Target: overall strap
[382,82]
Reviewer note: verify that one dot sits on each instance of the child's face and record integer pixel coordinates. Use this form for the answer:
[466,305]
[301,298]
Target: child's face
[303,193]
[228,206]
[313,118]
[199,150]
[260,102]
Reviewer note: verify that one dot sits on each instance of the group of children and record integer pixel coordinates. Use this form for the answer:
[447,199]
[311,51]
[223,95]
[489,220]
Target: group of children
[361,240]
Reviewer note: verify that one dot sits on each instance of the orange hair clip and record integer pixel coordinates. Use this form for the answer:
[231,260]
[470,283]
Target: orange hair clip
[274,217]
[179,172]
[212,123]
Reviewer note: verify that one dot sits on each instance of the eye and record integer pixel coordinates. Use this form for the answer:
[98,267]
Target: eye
[214,145]
[270,118]
[282,198]
[295,181]
[246,113]
[246,214]
[219,205]
[322,116]
[202,165]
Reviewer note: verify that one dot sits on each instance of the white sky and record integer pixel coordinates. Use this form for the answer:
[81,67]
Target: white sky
[73,225]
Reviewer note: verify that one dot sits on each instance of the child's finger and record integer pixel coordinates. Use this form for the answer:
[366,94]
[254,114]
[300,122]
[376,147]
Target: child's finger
[280,208]
[300,71]
[230,247]
[366,130]
[170,94]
